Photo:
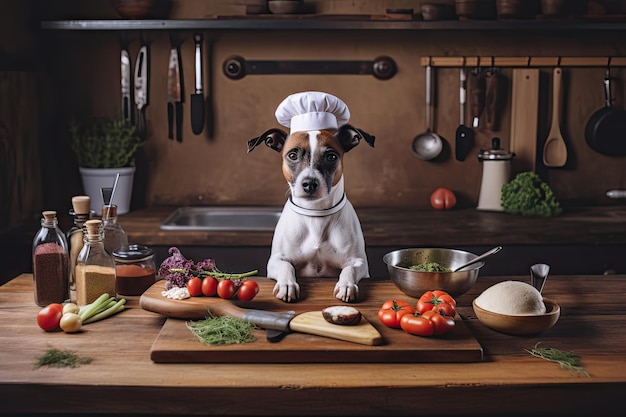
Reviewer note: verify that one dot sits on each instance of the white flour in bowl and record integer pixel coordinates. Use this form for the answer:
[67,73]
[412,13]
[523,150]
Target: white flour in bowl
[513,298]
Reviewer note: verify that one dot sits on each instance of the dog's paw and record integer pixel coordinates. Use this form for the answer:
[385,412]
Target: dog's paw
[287,291]
[346,292]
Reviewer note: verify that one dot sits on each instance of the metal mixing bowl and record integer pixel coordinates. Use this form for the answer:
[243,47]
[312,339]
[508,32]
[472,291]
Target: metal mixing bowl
[415,283]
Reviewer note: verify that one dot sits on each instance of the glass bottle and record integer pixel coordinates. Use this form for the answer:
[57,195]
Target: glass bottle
[81,213]
[50,262]
[114,235]
[95,268]
[134,269]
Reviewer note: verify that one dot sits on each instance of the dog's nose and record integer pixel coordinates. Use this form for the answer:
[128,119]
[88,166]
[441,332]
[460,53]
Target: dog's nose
[310,185]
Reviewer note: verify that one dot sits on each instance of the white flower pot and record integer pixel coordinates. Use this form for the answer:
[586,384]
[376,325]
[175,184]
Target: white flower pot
[94,179]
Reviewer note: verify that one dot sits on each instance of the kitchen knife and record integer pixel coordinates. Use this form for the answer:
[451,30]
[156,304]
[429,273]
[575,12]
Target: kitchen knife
[174,93]
[197,99]
[311,322]
[477,96]
[141,88]
[125,80]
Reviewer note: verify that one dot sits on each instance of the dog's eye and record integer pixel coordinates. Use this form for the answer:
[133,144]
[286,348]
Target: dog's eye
[331,156]
[292,155]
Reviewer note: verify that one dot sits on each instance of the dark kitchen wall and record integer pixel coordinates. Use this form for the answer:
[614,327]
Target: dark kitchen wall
[80,77]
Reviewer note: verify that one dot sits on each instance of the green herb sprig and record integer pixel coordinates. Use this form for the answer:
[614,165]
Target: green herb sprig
[567,360]
[58,358]
[224,330]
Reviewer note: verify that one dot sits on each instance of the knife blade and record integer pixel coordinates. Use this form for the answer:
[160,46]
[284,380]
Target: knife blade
[141,88]
[197,99]
[174,93]
[125,80]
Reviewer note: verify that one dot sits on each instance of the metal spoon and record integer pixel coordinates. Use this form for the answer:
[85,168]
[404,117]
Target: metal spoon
[479,258]
[538,275]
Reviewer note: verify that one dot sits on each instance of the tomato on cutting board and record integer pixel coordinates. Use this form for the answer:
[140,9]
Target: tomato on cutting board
[248,290]
[194,286]
[391,312]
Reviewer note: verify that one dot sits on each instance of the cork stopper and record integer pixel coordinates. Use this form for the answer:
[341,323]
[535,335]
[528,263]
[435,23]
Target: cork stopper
[49,215]
[93,226]
[81,204]
[109,211]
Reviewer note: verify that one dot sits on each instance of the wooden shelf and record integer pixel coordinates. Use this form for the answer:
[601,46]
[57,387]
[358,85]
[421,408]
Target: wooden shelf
[522,61]
[334,22]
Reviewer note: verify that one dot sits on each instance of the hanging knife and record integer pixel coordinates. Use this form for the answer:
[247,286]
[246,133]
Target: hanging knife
[125,80]
[174,93]
[197,99]
[141,88]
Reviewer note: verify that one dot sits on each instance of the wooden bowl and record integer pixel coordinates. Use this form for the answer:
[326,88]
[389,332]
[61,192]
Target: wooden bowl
[285,6]
[142,9]
[522,325]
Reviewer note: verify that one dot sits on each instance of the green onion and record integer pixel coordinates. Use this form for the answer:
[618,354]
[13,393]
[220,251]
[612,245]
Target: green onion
[103,307]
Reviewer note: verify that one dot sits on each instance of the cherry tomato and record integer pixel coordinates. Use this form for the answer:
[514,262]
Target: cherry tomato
[248,290]
[442,323]
[225,288]
[49,317]
[209,286]
[391,312]
[194,286]
[437,300]
[416,324]
[443,199]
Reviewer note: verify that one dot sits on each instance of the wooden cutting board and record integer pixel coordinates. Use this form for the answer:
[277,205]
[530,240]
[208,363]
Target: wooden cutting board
[176,344]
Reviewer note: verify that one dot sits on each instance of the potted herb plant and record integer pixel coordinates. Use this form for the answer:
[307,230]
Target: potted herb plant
[105,147]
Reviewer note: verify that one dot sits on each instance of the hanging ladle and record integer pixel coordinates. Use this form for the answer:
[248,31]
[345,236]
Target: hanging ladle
[479,258]
[538,275]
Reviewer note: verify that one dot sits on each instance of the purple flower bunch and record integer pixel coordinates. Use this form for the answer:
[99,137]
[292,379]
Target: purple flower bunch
[176,269]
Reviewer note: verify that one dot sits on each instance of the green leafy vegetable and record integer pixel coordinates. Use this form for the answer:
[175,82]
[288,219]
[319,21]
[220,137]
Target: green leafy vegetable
[567,360]
[528,195]
[223,330]
[57,358]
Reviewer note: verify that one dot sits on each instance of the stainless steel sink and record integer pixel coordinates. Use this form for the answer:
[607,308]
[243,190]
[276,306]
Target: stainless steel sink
[236,218]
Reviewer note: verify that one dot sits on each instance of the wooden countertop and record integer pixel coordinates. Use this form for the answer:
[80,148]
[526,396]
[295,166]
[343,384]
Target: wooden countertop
[508,381]
[603,225]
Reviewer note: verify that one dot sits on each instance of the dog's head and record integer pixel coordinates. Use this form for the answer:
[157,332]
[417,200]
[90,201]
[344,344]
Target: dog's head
[312,160]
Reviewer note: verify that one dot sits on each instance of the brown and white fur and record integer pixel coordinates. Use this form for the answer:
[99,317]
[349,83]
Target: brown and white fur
[311,239]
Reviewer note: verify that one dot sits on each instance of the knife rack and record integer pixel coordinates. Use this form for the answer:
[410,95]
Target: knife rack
[237,67]
[522,61]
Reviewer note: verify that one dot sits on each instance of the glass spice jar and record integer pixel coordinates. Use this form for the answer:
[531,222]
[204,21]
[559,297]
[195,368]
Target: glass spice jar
[81,212]
[114,235]
[95,268]
[50,262]
[135,270]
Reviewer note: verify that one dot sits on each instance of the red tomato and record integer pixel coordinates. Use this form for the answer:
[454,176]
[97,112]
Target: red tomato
[248,290]
[443,199]
[417,325]
[392,311]
[442,323]
[437,300]
[194,286]
[209,286]
[225,288]
[49,317]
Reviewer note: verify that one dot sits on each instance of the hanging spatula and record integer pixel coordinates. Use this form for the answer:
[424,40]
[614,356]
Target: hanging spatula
[464,138]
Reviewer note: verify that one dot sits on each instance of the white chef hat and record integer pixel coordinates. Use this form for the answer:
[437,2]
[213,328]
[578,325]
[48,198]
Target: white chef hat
[312,110]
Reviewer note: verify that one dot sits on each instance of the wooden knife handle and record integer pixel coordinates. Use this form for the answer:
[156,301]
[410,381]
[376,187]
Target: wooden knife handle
[477,93]
[494,100]
[179,121]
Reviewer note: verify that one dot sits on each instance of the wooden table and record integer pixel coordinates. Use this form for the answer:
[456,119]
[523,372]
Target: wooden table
[508,381]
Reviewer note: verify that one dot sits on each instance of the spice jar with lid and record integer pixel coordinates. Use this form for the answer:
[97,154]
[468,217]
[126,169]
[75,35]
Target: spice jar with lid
[135,270]
[114,235]
[95,268]
[496,172]
[81,213]
[50,262]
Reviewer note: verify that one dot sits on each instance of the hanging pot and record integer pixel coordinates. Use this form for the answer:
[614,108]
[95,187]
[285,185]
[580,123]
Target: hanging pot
[605,131]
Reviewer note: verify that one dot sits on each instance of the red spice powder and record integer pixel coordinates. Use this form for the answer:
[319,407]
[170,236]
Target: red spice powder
[50,274]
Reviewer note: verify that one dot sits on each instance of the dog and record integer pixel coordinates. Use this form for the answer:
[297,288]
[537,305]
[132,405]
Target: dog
[318,233]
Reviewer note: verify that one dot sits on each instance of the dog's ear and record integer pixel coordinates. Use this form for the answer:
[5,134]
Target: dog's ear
[274,138]
[349,136]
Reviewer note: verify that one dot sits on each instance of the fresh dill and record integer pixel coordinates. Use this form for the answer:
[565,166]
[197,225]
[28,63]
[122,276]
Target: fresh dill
[224,330]
[567,360]
[58,358]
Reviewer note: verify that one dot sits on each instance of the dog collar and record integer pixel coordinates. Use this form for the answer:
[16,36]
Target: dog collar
[318,213]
